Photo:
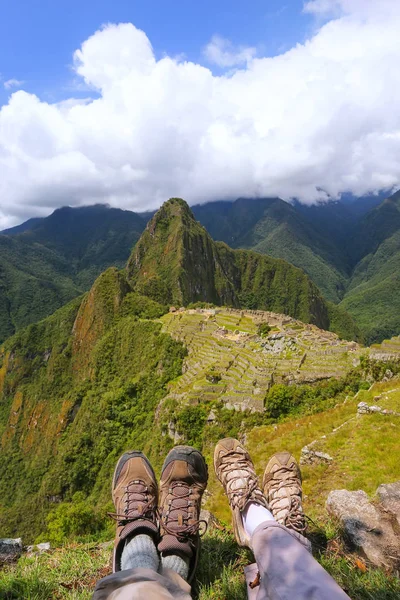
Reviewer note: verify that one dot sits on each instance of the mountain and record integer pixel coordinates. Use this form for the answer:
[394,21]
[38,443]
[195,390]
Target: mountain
[350,249]
[177,262]
[46,262]
[373,294]
[86,382]
[274,227]
[347,250]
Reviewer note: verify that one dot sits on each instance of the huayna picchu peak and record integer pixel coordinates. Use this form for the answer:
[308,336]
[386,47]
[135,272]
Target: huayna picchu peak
[177,262]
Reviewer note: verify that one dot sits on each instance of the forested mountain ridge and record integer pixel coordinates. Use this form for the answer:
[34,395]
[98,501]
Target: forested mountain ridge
[350,252]
[46,262]
[373,295]
[348,249]
[274,227]
[177,262]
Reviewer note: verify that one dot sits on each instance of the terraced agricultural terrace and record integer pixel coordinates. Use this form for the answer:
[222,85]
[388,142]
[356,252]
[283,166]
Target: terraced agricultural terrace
[228,360]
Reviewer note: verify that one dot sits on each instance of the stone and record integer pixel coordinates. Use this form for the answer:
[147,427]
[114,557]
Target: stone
[389,498]
[388,375]
[173,433]
[211,417]
[366,527]
[10,549]
[313,457]
[207,519]
[364,409]
[43,547]
[38,548]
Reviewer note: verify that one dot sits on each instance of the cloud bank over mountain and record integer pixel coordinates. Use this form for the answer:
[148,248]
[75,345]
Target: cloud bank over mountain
[318,120]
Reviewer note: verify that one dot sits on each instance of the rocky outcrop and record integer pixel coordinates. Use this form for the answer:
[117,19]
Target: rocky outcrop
[313,457]
[371,527]
[364,409]
[389,498]
[10,550]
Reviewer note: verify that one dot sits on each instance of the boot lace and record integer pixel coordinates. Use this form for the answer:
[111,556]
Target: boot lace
[286,478]
[239,489]
[175,521]
[138,502]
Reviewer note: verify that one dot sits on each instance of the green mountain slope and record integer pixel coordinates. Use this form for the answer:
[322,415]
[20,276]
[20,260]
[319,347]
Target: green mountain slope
[274,227]
[350,256]
[47,262]
[365,454]
[373,294]
[177,262]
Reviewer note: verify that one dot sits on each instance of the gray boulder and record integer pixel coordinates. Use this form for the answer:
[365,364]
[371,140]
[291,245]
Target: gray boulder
[389,498]
[10,550]
[366,526]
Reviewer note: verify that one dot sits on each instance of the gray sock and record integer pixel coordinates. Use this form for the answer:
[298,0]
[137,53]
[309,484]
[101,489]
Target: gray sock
[140,551]
[176,563]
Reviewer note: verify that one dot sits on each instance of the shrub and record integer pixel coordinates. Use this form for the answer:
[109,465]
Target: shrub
[213,376]
[72,520]
[191,421]
[264,329]
[142,307]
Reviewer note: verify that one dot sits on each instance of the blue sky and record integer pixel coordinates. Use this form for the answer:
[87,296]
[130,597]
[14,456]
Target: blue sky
[130,103]
[38,37]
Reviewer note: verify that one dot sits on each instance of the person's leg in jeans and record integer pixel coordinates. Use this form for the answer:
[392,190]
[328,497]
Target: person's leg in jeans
[271,523]
[138,571]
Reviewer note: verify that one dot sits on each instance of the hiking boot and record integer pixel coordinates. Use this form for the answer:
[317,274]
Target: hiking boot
[235,470]
[183,480]
[282,488]
[134,493]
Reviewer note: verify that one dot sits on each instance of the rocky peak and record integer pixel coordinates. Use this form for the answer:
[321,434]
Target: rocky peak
[174,260]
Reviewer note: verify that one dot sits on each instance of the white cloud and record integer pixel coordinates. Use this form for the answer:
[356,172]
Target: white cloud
[223,53]
[12,83]
[323,116]
[360,7]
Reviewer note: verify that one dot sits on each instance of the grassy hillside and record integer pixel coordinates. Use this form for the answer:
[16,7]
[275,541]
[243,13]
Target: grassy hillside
[373,297]
[115,369]
[358,449]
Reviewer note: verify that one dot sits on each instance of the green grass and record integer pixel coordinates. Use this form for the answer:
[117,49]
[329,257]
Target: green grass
[366,451]
[71,572]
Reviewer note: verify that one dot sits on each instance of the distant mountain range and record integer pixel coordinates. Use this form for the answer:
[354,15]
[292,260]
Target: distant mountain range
[349,249]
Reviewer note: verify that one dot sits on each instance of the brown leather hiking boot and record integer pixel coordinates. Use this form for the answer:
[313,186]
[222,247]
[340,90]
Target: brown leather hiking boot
[282,488]
[183,480]
[235,470]
[134,493]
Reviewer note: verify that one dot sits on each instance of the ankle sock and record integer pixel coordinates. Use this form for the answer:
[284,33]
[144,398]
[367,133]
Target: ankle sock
[176,563]
[253,515]
[140,551]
